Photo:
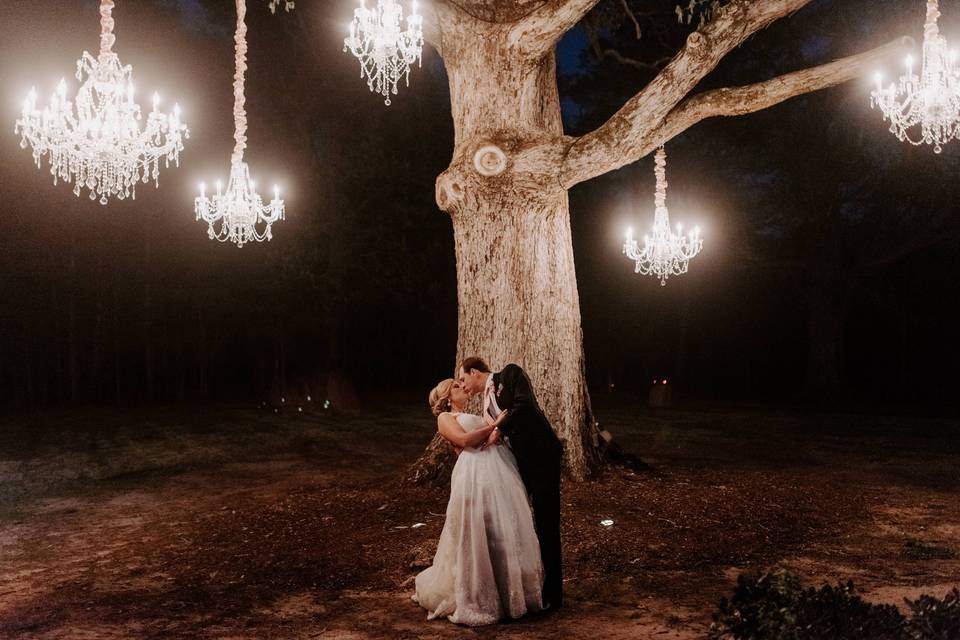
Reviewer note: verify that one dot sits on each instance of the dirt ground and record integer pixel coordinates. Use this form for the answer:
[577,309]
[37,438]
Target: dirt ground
[213,522]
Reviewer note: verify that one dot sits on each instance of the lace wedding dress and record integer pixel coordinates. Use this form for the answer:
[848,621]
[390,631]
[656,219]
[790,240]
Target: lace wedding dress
[487,565]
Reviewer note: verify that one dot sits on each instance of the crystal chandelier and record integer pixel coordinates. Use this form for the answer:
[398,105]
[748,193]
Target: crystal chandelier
[384,50]
[238,214]
[925,108]
[665,253]
[274,4]
[96,142]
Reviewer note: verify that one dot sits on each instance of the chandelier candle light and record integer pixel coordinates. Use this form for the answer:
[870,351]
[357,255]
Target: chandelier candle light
[238,214]
[925,108]
[96,142]
[384,50]
[665,253]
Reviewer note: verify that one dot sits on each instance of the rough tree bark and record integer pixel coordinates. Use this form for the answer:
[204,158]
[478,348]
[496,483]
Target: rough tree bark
[506,186]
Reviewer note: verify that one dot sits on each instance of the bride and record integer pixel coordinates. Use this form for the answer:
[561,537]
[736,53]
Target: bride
[487,564]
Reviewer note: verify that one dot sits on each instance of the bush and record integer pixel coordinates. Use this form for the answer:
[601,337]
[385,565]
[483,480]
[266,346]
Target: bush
[935,619]
[774,606]
[918,550]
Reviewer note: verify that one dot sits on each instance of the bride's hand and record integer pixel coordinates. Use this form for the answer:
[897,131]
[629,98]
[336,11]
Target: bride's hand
[493,438]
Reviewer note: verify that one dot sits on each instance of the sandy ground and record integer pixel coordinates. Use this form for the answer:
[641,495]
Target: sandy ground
[217,522]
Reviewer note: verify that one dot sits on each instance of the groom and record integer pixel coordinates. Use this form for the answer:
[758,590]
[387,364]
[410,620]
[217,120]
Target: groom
[537,449]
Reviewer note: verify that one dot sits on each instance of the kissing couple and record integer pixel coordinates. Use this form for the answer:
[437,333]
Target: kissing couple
[495,559]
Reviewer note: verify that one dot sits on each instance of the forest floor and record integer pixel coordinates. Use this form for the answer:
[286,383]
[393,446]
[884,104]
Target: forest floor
[212,522]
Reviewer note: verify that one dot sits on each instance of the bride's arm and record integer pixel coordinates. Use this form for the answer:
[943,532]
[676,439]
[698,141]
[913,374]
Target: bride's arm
[451,430]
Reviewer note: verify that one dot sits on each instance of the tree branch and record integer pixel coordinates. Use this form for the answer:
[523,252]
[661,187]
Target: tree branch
[615,143]
[439,18]
[736,101]
[633,18]
[536,34]
[633,62]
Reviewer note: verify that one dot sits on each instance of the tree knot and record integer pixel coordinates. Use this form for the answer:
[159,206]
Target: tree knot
[490,160]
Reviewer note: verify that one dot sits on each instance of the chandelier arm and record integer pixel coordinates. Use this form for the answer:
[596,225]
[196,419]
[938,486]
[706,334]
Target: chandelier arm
[107,39]
[239,101]
[735,101]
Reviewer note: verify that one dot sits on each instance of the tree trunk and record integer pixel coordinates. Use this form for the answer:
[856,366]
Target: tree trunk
[516,283]
[505,188]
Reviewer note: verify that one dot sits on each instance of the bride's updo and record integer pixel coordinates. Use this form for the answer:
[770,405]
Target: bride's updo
[439,397]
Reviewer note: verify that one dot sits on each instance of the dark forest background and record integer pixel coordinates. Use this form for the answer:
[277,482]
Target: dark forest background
[829,271]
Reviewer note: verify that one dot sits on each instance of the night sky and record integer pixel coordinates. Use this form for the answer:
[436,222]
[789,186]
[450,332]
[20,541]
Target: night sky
[811,211]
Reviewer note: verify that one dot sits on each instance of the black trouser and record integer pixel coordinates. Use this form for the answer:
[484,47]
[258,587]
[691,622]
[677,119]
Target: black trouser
[546,515]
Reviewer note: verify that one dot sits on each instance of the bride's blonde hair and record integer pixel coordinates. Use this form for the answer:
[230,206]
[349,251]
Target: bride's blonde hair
[439,397]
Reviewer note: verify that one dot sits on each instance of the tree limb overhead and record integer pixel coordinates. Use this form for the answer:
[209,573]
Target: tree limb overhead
[615,143]
[735,101]
[537,34]
[439,20]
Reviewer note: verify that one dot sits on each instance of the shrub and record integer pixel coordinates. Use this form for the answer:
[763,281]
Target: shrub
[933,619]
[774,606]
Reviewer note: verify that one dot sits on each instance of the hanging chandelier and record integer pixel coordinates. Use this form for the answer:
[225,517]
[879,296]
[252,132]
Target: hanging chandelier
[924,109]
[238,214]
[665,253]
[288,5]
[384,50]
[97,142]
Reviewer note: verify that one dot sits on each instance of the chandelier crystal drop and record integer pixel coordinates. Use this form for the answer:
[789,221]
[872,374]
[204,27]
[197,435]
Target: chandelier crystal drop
[97,141]
[924,109]
[665,253]
[238,214]
[385,51]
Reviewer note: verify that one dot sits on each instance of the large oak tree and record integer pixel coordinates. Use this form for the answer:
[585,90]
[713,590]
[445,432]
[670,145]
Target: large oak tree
[506,186]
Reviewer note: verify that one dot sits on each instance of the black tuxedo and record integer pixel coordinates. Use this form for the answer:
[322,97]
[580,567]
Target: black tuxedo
[538,452]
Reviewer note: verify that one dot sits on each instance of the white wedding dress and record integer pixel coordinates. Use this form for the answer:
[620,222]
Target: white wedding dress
[487,565]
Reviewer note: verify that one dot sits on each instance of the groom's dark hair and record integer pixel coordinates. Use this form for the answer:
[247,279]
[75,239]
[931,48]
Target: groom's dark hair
[473,363]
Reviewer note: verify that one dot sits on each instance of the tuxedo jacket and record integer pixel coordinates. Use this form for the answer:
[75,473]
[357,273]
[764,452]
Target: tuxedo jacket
[531,438]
